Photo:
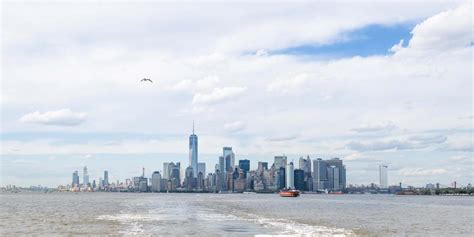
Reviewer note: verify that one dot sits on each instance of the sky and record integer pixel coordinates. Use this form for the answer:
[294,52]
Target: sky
[370,82]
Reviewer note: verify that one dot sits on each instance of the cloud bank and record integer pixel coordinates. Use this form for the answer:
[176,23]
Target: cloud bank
[62,117]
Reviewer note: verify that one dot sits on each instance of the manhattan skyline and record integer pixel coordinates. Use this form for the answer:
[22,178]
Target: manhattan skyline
[374,84]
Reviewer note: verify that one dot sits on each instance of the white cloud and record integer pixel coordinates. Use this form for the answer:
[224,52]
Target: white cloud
[460,146]
[62,117]
[69,57]
[429,139]
[359,157]
[184,85]
[420,141]
[384,127]
[261,53]
[282,138]
[24,162]
[462,159]
[421,172]
[207,83]
[397,47]
[218,95]
[451,29]
[195,86]
[235,126]
[293,84]
[382,146]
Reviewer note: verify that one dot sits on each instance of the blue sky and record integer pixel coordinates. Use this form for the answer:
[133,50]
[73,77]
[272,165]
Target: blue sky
[324,79]
[367,41]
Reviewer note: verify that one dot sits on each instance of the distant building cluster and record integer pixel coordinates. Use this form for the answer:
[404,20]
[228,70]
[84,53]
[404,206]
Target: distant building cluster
[316,175]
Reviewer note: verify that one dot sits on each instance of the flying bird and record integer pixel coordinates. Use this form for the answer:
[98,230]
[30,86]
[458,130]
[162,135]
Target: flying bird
[146,79]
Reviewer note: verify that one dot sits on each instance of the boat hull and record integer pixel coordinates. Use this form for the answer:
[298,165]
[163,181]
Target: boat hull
[289,193]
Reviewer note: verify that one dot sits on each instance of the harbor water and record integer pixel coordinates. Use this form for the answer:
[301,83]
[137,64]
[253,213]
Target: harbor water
[155,214]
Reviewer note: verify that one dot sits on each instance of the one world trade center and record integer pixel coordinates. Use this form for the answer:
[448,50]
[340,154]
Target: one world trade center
[193,152]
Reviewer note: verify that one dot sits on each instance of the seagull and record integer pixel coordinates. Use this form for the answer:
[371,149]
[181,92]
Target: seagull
[146,79]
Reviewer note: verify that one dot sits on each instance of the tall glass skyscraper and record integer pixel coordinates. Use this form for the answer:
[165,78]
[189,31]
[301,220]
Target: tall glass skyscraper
[202,168]
[320,176]
[280,161]
[193,152]
[75,179]
[229,159]
[290,176]
[299,179]
[383,177]
[221,164]
[244,165]
[156,181]
[85,179]
[106,178]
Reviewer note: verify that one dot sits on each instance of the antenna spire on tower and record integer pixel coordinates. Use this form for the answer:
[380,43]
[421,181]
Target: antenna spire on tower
[193,126]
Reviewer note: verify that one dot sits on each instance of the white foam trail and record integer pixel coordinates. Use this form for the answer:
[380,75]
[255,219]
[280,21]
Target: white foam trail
[284,226]
[292,228]
[133,220]
[127,217]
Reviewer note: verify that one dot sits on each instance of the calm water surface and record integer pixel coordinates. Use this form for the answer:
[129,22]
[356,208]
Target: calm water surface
[234,214]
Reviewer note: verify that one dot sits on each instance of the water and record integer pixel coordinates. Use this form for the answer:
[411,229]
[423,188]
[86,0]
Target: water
[234,214]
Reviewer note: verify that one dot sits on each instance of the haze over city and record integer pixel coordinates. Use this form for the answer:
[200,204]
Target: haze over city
[370,83]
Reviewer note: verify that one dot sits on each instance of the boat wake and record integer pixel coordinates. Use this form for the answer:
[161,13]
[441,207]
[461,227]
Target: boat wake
[133,221]
[146,224]
[292,228]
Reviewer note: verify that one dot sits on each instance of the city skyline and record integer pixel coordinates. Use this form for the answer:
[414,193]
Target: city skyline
[238,178]
[371,83]
[237,118]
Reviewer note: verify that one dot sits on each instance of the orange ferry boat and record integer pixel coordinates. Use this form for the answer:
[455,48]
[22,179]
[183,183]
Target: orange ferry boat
[289,193]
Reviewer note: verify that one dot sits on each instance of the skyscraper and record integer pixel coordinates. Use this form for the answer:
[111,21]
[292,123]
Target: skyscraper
[202,168]
[262,166]
[166,170]
[189,178]
[299,179]
[193,152]
[85,178]
[280,161]
[221,164]
[106,178]
[280,182]
[229,159]
[75,179]
[290,181]
[305,164]
[333,177]
[383,176]
[140,183]
[341,170]
[319,174]
[156,182]
[174,174]
[199,181]
[244,165]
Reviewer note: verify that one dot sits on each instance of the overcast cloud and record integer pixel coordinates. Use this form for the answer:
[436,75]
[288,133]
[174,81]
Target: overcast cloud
[71,77]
